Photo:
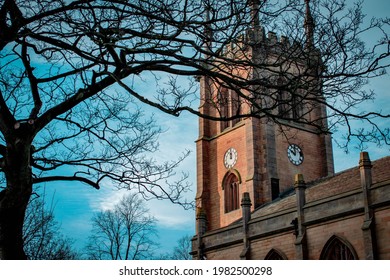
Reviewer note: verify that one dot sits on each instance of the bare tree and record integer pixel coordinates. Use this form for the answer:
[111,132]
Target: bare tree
[180,252]
[41,233]
[126,232]
[182,249]
[71,73]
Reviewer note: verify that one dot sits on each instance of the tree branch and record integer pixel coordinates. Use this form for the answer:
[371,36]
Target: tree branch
[33,82]
[7,120]
[2,150]
[66,178]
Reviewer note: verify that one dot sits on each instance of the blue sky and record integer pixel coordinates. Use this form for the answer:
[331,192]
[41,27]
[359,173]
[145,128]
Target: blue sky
[76,203]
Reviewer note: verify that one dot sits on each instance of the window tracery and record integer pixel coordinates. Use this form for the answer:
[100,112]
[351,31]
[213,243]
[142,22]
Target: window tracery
[231,193]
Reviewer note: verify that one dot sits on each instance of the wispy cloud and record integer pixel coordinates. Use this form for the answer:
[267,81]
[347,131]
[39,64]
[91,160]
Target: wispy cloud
[106,200]
[167,214]
[171,216]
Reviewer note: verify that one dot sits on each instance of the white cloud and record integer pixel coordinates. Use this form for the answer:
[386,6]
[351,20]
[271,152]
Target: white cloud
[170,215]
[106,200]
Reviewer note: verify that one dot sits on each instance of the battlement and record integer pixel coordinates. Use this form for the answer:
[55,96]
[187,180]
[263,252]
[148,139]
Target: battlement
[267,44]
[259,36]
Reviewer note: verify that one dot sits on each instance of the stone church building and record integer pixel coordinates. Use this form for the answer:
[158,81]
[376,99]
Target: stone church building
[268,190]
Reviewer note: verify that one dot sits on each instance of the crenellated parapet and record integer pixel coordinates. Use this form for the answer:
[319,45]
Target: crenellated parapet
[258,40]
[257,43]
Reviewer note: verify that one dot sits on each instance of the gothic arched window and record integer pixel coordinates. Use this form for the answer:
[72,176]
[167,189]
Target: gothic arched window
[338,249]
[275,254]
[231,192]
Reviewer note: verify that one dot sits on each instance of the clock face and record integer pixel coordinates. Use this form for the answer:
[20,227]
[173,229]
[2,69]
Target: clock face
[295,154]
[230,158]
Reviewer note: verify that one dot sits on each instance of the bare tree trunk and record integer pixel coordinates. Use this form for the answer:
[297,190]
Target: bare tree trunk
[14,199]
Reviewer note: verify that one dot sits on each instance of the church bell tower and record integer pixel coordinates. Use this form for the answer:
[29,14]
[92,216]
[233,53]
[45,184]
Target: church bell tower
[260,155]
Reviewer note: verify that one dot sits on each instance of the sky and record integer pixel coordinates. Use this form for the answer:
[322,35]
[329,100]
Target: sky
[76,204]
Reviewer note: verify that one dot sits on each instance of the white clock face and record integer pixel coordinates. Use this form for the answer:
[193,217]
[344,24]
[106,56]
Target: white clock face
[230,158]
[295,154]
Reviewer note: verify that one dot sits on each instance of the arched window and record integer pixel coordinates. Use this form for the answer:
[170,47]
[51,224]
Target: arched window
[231,192]
[338,249]
[275,254]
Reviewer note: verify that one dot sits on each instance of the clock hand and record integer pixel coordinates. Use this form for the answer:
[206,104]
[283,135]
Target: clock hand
[293,151]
